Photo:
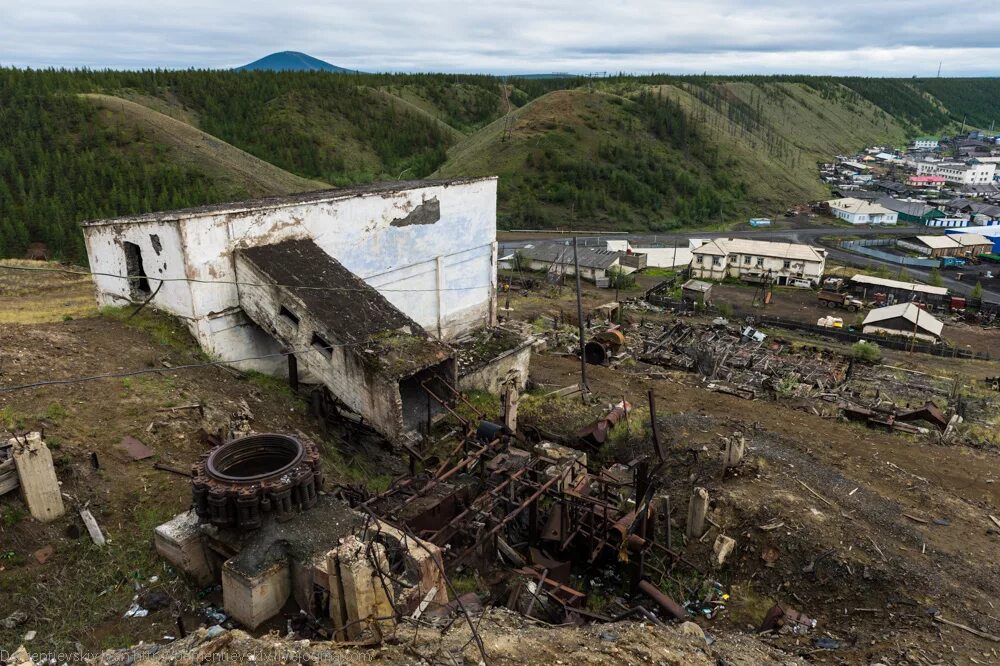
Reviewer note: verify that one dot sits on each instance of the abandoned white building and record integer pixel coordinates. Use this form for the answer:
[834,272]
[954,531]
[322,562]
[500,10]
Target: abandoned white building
[368,288]
[754,261]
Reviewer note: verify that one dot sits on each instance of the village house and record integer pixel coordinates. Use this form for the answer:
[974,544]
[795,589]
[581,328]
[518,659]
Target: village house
[927,182]
[366,289]
[978,240]
[925,143]
[930,246]
[910,211]
[595,264]
[856,211]
[886,291]
[903,319]
[971,172]
[756,261]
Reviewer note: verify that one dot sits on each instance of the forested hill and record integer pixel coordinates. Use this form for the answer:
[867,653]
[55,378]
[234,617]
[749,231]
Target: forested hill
[635,152]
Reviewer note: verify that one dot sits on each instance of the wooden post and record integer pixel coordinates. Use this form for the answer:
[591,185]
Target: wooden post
[293,373]
[656,433]
[584,388]
[735,448]
[697,510]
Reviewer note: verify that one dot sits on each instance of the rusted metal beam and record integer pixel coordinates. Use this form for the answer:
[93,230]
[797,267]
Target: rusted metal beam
[672,607]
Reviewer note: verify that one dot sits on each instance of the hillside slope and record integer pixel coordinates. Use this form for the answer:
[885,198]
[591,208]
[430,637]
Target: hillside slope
[776,132]
[585,158]
[624,152]
[747,147]
[223,162]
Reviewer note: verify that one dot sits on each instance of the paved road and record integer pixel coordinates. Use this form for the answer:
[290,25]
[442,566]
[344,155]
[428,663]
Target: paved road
[811,235]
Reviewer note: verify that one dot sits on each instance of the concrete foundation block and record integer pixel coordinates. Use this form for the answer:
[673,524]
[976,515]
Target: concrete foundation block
[253,599]
[179,541]
[39,485]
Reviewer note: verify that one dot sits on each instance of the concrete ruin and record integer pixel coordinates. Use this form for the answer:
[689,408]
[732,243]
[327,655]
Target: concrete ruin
[370,291]
[260,528]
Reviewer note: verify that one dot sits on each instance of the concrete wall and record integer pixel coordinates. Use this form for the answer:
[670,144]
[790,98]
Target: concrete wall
[490,377]
[441,273]
[586,272]
[343,371]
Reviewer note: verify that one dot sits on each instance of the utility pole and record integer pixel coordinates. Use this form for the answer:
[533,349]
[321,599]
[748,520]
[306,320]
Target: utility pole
[579,316]
[939,68]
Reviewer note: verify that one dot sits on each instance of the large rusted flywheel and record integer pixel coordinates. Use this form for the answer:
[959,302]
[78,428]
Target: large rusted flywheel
[240,482]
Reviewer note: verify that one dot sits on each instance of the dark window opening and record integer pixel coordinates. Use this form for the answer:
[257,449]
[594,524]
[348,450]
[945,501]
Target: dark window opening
[418,405]
[321,345]
[138,284]
[154,239]
[288,316]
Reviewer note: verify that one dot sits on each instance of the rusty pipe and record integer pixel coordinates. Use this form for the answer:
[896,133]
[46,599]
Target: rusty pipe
[666,603]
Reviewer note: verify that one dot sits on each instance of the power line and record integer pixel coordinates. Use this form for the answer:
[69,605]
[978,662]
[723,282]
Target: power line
[134,278]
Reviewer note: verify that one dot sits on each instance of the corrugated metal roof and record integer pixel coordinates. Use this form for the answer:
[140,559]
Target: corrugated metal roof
[852,205]
[909,312]
[938,242]
[971,239]
[588,257]
[896,284]
[724,246]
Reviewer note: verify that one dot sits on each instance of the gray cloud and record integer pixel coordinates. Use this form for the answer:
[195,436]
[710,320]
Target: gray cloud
[875,37]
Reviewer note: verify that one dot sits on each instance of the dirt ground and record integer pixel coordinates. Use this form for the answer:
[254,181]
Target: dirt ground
[880,537]
[80,592]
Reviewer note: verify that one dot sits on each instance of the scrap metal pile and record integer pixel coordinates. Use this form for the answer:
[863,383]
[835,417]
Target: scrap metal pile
[540,516]
[744,362]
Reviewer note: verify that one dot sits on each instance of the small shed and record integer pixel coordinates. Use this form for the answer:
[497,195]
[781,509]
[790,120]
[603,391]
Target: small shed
[903,319]
[696,291]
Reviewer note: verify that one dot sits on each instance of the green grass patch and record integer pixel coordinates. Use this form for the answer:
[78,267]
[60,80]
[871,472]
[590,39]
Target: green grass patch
[165,330]
[55,412]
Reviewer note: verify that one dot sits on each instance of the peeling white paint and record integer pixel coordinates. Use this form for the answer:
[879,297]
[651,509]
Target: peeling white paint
[402,262]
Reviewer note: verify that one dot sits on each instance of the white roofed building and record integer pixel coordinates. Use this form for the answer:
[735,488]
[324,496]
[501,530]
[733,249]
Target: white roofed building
[857,211]
[903,319]
[757,260]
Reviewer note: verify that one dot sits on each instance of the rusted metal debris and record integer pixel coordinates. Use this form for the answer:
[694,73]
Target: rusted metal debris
[492,502]
[235,484]
[741,364]
[597,432]
[891,418]
[135,449]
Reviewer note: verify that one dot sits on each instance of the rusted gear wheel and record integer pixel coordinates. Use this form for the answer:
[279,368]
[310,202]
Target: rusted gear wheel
[240,482]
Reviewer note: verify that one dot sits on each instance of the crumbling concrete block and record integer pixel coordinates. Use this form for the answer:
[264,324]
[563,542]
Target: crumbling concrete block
[722,548]
[697,509]
[254,598]
[179,541]
[424,560]
[366,597]
[570,463]
[39,485]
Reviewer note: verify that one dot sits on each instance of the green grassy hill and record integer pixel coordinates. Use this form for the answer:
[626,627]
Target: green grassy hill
[651,152]
[187,145]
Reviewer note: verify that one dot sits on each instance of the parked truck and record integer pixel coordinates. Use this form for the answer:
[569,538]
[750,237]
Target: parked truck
[836,299]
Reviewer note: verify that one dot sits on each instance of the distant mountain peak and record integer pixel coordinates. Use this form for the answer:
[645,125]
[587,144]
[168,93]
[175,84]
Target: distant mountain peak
[291,61]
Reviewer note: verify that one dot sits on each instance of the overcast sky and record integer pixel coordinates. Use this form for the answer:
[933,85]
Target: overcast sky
[869,37]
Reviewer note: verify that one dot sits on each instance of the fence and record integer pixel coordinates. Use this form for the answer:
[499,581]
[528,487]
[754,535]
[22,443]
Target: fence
[865,246]
[661,300]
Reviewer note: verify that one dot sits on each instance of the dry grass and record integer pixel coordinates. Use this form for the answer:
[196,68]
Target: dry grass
[38,298]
